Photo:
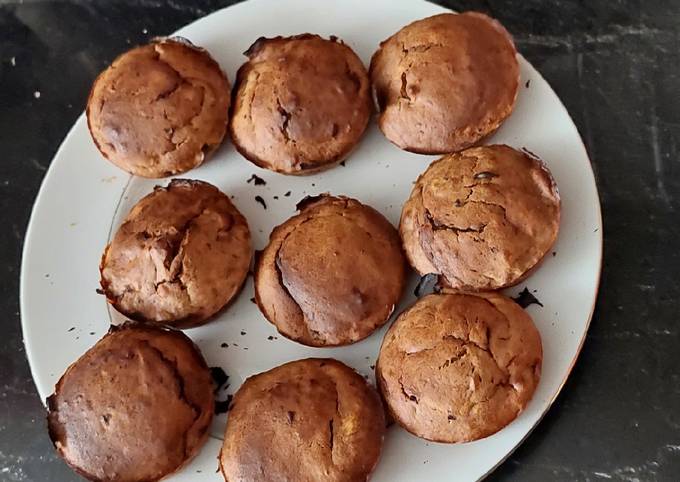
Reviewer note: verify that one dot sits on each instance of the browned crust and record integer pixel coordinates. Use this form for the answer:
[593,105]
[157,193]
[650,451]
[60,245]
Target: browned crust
[526,372]
[309,208]
[439,132]
[208,149]
[341,150]
[197,357]
[190,320]
[481,233]
[357,405]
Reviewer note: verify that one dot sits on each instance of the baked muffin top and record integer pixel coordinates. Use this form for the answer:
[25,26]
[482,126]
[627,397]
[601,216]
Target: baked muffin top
[182,253]
[308,420]
[159,109]
[481,218]
[332,274]
[301,103]
[135,407]
[457,368]
[445,82]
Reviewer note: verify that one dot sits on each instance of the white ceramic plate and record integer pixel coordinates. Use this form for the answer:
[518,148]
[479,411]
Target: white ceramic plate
[83,198]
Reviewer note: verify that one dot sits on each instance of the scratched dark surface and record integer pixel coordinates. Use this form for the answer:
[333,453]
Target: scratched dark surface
[616,66]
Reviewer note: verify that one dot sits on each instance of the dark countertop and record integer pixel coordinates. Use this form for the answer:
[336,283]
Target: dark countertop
[616,66]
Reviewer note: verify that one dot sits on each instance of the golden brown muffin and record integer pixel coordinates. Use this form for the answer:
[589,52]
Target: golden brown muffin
[180,256]
[135,407]
[159,109]
[300,103]
[445,82]
[308,420]
[481,218]
[457,367]
[332,274]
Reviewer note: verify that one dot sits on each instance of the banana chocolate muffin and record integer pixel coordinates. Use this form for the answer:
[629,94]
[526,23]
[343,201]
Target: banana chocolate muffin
[135,407]
[445,82]
[332,274]
[457,367]
[301,103]
[308,420]
[159,109]
[482,218]
[181,255]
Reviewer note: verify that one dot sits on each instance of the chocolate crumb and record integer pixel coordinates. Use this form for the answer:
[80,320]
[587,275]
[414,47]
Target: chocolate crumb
[527,83]
[525,298]
[307,200]
[223,406]
[287,194]
[257,180]
[485,175]
[261,201]
[527,151]
[427,285]
[219,377]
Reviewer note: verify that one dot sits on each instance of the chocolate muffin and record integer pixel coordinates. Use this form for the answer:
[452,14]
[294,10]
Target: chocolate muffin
[482,218]
[300,104]
[445,82]
[159,109]
[135,407]
[308,420]
[332,274]
[457,367]
[182,254]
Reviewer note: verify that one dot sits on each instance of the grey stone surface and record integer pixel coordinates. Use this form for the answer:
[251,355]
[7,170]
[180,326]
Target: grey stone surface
[615,65]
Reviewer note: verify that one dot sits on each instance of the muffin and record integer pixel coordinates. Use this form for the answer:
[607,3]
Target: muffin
[482,218]
[181,254]
[301,103]
[332,274]
[135,407]
[159,109]
[308,420]
[459,367]
[445,82]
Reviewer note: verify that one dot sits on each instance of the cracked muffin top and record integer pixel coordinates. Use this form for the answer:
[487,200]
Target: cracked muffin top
[332,274]
[301,103]
[308,420]
[482,218]
[135,407]
[445,82]
[181,254]
[159,109]
[456,367]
